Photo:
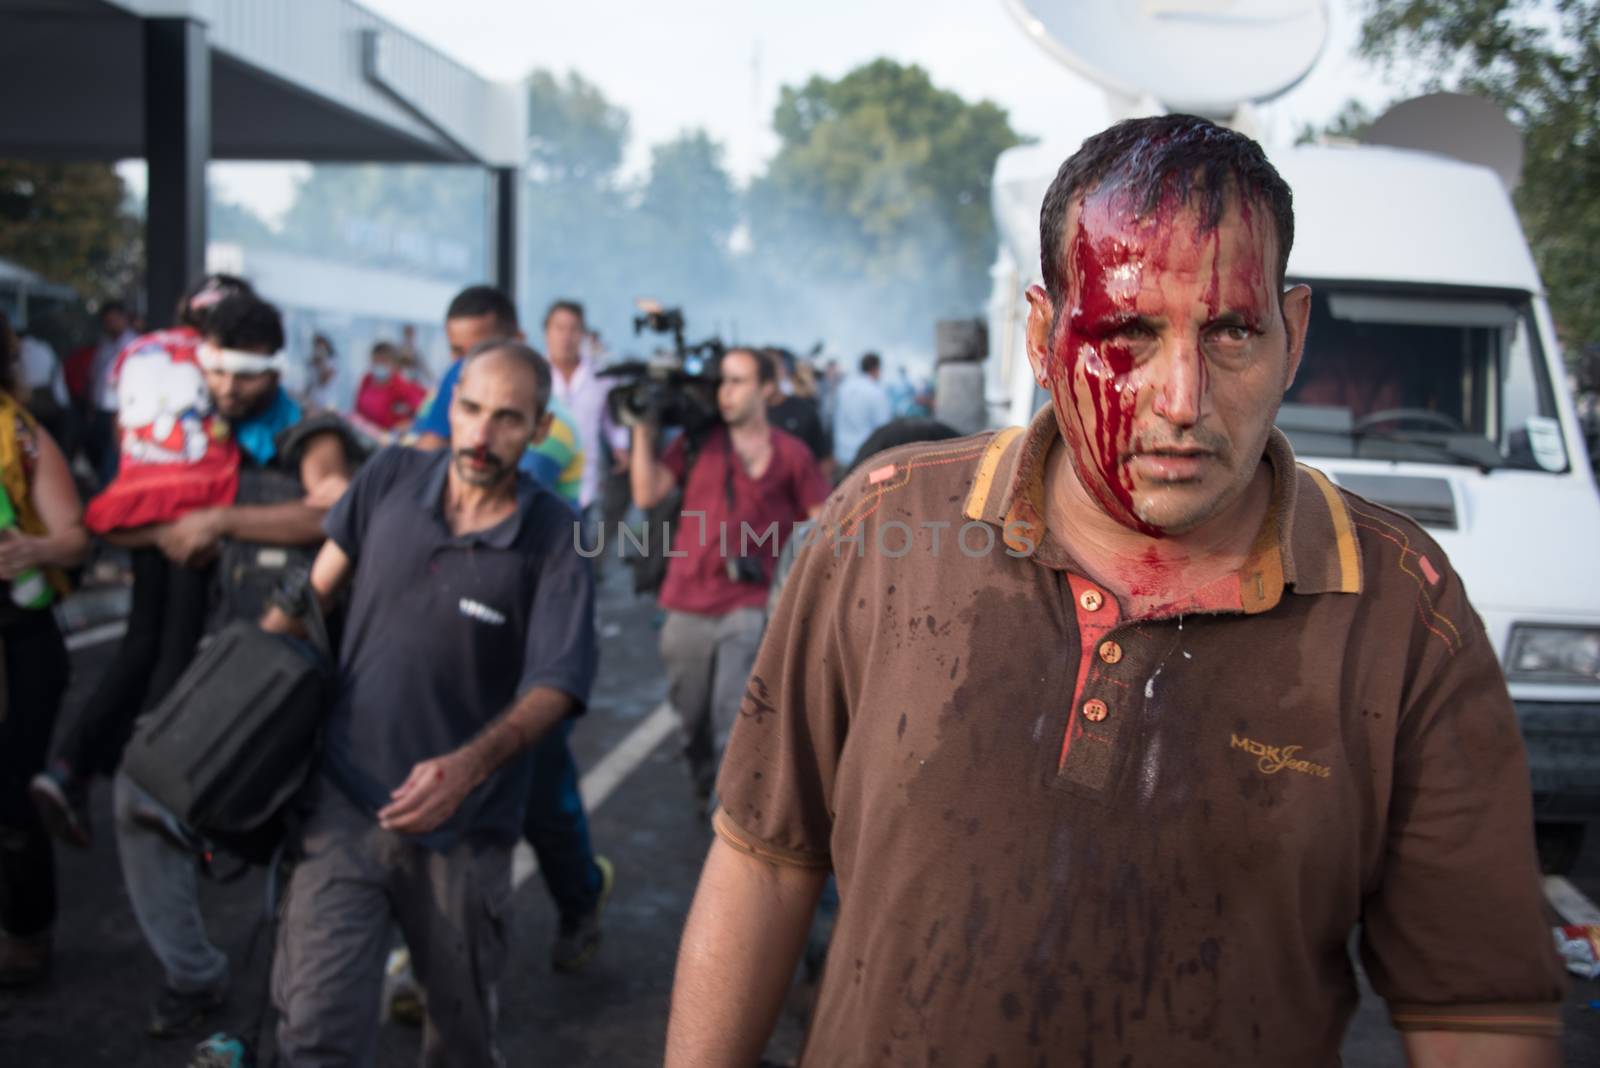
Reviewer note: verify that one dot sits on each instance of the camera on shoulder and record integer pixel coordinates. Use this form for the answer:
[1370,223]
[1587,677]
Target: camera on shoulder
[676,388]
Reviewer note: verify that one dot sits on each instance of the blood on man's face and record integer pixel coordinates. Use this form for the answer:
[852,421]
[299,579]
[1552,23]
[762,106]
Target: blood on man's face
[1168,358]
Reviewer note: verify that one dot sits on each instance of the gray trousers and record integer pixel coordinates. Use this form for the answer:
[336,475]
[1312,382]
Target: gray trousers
[708,661]
[163,886]
[353,883]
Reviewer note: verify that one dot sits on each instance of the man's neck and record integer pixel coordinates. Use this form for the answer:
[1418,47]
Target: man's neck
[469,508]
[1150,574]
[750,434]
[567,368]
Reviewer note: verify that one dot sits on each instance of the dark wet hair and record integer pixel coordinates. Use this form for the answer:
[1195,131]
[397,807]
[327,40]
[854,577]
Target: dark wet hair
[475,301]
[245,321]
[902,431]
[1184,156]
[522,353]
[565,305]
[202,298]
[871,362]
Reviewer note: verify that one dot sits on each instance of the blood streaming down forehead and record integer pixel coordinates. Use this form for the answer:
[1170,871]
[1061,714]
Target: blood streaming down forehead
[1122,265]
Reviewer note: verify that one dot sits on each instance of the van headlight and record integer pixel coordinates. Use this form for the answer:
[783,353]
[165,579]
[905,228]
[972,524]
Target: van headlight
[1553,654]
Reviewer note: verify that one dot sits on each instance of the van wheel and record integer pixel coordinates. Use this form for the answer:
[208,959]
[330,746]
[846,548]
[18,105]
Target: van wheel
[1559,845]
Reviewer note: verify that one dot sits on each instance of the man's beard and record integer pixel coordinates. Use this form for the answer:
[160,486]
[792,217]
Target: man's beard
[493,471]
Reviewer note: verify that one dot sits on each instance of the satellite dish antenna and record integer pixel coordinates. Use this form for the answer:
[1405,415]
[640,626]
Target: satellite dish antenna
[1467,128]
[1209,57]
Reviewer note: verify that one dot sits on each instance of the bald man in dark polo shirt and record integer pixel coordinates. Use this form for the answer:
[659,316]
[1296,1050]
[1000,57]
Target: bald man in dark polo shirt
[1115,727]
[469,636]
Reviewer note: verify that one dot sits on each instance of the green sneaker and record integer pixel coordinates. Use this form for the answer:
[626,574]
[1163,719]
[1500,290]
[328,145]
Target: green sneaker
[578,937]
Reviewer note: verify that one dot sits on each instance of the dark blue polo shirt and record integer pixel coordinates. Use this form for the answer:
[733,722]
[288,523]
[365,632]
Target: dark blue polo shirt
[444,633]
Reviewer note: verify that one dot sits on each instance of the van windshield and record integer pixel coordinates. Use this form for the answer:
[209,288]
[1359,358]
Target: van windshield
[1429,378]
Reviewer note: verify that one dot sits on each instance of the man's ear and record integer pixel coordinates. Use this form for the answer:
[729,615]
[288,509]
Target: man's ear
[1296,323]
[541,428]
[1041,321]
[520,335]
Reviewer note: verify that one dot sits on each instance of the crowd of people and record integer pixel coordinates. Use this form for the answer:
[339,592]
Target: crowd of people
[198,465]
[1002,693]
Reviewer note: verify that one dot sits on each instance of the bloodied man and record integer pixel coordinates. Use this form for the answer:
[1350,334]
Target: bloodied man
[1121,795]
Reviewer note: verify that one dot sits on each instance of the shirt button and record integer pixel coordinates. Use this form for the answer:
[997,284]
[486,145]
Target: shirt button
[1091,600]
[1110,652]
[1095,710]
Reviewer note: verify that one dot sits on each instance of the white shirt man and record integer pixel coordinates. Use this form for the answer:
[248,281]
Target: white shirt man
[576,385]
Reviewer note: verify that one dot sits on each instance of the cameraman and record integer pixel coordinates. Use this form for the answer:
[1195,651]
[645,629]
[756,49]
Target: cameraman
[745,477]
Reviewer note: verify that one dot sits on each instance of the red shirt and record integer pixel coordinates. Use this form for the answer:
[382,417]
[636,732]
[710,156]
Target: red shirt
[784,495]
[178,453]
[390,403]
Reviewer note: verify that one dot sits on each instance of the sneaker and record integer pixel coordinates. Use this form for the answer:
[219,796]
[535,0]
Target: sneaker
[222,1050]
[24,961]
[176,1012]
[579,936]
[63,803]
[402,996]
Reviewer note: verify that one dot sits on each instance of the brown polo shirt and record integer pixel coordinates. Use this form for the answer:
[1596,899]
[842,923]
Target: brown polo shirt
[1064,836]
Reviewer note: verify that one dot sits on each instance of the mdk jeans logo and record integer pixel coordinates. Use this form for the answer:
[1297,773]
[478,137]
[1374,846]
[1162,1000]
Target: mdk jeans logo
[1273,759]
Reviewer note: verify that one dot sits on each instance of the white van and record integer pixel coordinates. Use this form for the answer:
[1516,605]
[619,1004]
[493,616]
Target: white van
[1432,384]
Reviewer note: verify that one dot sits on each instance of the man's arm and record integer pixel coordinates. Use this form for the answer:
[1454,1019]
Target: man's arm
[435,788]
[650,479]
[65,541]
[1471,1049]
[744,934]
[329,573]
[324,470]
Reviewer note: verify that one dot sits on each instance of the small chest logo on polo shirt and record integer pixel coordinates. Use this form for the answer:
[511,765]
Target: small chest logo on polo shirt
[1274,759]
[481,612]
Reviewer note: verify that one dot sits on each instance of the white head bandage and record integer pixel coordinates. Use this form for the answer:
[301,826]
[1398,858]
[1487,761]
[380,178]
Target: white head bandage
[236,362]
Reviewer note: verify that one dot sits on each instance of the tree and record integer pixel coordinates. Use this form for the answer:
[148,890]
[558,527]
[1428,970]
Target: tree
[576,209]
[69,223]
[574,133]
[1540,60]
[680,232]
[228,220]
[877,202]
[426,219]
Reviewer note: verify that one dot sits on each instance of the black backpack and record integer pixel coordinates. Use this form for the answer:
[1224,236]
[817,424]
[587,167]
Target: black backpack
[234,742]
[247,572]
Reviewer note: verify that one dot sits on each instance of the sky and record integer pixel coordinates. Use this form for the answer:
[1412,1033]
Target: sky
[719,64]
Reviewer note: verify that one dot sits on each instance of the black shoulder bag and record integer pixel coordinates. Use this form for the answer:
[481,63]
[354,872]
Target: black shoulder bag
[233,743]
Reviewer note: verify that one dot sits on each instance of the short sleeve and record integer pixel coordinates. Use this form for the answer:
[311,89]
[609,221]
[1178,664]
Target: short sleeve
[778,774]
[560,651]
[436,419]
[675,457]
[346,522]
[1455,934]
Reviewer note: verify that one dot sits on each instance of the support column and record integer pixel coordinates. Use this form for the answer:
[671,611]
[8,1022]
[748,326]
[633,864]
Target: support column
[177,144]
[503,228]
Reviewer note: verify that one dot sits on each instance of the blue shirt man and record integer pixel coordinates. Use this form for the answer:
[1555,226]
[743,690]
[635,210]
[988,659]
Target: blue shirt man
[861,407]
[469,637]
[436,626]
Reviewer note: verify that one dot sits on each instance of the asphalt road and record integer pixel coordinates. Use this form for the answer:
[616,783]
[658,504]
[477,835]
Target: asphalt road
[92,1011]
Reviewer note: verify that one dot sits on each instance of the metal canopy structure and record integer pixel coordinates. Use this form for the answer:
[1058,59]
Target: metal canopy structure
[182,82]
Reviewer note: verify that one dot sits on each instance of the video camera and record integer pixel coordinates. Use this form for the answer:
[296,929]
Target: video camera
[675,389]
